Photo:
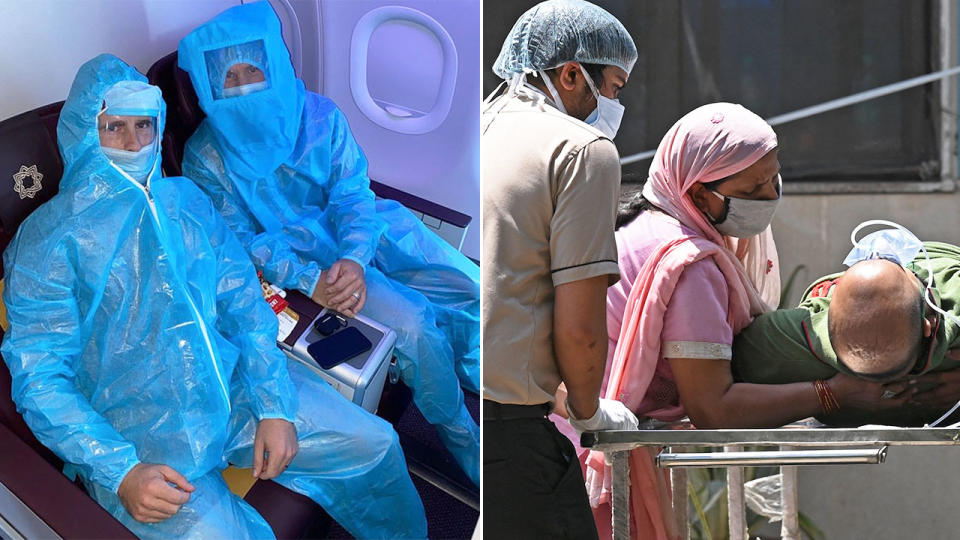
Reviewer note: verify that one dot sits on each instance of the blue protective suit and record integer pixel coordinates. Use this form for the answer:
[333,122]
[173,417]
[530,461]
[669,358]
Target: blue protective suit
[288,177]
[138,333]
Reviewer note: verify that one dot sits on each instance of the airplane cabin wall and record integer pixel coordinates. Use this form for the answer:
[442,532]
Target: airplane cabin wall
[418,118]
[46,41]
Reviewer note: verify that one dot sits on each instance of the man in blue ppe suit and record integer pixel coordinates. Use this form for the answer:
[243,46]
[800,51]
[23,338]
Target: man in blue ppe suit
[143,354]
[284,170]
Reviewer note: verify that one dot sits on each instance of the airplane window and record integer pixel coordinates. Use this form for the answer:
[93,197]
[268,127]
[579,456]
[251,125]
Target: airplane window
[404,68]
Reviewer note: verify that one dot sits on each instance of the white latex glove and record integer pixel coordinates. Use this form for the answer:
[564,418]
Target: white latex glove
[610,415]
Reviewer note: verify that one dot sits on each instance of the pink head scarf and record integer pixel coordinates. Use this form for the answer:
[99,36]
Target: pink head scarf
[709,143]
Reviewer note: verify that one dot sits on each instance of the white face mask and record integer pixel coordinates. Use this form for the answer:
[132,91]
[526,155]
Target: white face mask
[245,89]
[137,164]
[606,117]
[746,217]
[609,112]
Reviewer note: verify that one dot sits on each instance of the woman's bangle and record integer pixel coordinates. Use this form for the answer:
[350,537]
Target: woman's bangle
[828,401]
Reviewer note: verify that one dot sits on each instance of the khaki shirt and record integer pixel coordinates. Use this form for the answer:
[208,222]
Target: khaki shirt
[550,190]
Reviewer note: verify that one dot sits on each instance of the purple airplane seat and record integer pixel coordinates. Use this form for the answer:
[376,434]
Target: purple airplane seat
[30,163]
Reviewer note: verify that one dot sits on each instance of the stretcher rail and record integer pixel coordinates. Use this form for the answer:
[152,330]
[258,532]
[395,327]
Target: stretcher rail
[767,458]
[790,435]
[863,445]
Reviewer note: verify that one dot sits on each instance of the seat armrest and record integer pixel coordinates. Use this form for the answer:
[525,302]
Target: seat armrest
[60,503]
[421,205]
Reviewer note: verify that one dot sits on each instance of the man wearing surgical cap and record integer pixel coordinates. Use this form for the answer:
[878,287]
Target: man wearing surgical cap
[551,179]
[143,354]
[282,167]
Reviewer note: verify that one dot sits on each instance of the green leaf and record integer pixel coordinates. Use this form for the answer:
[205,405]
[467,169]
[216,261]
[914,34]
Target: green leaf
[785,291]
[699,506]
[809,528]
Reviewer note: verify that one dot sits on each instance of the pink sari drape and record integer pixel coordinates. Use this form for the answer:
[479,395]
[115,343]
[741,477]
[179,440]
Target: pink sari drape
[709,143]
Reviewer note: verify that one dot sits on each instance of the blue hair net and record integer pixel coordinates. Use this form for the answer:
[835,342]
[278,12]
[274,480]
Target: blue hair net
[558,31]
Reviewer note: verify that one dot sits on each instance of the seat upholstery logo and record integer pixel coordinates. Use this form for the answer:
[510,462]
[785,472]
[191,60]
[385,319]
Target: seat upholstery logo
[24,173]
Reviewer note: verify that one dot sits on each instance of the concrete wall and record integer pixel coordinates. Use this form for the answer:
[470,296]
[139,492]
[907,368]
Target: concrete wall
[913,495]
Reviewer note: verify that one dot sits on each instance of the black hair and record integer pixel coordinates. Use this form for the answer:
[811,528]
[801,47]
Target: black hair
[632,203]
[712,186]
[595,71]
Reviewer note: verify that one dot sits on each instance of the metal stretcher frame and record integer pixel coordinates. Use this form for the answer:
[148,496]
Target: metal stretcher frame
[865,445]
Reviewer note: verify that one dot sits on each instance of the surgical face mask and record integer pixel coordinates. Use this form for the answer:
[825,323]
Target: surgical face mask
[746,217]
[609,112]
[899,245]
[137,164]
[245,89]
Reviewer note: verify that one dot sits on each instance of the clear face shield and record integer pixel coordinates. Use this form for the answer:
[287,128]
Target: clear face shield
[237,70]
[127,126]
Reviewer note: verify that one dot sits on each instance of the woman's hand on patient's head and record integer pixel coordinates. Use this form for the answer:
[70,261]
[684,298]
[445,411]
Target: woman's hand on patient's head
[939,390]
[856,393]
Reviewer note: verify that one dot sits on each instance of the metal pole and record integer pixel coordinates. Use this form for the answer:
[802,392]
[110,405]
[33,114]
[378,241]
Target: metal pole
[620,503]
[772,457]
[681,501]
[790,524]
[736,504]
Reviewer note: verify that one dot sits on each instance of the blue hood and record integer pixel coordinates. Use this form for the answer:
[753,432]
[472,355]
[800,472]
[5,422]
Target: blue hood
[77,134]
[260,129]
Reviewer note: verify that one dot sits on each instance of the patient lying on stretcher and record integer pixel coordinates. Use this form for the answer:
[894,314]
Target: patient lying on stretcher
[874,322]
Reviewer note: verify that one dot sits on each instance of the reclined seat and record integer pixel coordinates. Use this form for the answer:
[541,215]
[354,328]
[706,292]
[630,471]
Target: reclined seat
[30,161]
[425,454]
[30,169]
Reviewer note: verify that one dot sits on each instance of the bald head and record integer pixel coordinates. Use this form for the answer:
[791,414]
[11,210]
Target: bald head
[874,319]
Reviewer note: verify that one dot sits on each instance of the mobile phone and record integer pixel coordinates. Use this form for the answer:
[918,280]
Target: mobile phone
[339,347]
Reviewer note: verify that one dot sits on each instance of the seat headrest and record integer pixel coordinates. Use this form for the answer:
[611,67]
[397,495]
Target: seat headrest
[183,110]
[30,166]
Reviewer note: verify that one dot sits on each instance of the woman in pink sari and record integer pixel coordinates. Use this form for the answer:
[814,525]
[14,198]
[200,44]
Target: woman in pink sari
[697,263]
